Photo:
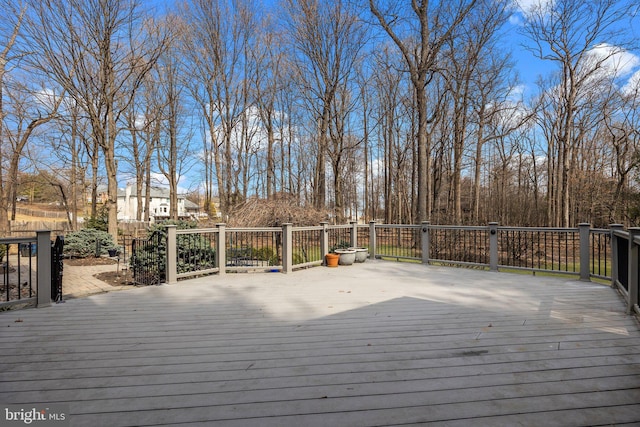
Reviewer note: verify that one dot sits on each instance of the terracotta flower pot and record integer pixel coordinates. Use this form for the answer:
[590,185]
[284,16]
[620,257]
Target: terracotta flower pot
[332,260]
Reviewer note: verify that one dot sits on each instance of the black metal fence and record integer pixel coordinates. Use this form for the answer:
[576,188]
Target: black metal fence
[306,242]
[540,249]
[339,237]
[459,245]
[196,251]
[57,257]
[148,259]
[259,248]
[31,270]
[398,242]
[18,269]
[600,253]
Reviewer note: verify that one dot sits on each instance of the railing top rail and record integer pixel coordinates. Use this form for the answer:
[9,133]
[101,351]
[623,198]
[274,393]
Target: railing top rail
[549,229]
[308,228]
[197,230]
[458,227]
[254,229]
[340,226]
[398,226]
[600,230]
[14,240]
[621,233]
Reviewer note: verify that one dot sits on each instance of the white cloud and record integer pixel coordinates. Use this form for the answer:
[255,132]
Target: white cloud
[633,84]
[140,122]
[516,92]
[46,97]
[616,61]
[515,20]
[523,8]
[528,6]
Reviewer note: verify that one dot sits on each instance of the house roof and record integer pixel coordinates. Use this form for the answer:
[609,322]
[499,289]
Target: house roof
[189,205]
[157,192]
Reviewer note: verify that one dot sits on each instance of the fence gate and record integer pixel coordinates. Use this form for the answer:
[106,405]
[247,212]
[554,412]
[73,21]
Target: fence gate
[148,259]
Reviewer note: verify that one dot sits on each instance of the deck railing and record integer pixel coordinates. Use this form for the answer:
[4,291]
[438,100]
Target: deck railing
[397,242]
[25,281]
[625,248]
[602,254]
[251,249]
[458,245]
[307,246]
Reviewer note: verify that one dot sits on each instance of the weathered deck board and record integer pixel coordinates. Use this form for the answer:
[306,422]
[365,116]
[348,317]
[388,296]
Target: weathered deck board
[372,344]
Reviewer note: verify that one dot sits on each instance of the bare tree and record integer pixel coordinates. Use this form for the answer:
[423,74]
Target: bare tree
[94,49]
[570,34]
[327,38]
[174,145]
[493,89]
[622,124]
[218,38]
[10,32]
[268,56]
[31,107]
[420,33]
[30,110]
[466,52]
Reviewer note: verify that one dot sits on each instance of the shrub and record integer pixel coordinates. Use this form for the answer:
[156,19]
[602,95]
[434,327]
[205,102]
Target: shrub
[100,221]
[87,242]
[266,254]
[343,244]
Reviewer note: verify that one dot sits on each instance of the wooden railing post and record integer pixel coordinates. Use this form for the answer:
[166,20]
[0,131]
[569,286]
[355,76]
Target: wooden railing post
[424,239]
[354,234]
[221,244]
[633,269]
[44,268]
[493,246]
[585,235]
[287,247]
[372,240]
[324,240]
[172,255]
[614,253]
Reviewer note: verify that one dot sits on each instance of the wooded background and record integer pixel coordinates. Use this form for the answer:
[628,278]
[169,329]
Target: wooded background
[368,109]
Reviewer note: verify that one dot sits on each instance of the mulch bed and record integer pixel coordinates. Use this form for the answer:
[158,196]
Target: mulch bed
[90,261]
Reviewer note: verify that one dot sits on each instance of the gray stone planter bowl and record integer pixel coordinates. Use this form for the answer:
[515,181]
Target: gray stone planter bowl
[361,254]
[347,256]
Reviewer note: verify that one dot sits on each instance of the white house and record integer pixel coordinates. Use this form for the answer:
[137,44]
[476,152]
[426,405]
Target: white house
[158,204]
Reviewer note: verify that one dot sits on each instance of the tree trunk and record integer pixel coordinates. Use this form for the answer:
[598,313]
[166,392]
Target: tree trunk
[424,158]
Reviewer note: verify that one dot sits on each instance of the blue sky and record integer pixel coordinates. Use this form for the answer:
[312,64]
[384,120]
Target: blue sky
[529,67]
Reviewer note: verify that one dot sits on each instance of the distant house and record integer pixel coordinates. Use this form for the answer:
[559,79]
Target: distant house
[158,204]
[101,192]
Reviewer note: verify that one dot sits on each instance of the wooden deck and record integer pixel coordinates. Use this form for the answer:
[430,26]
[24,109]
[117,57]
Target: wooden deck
[374,344]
